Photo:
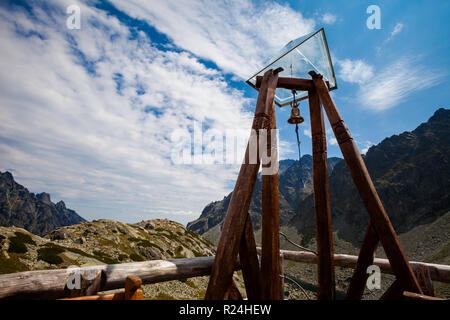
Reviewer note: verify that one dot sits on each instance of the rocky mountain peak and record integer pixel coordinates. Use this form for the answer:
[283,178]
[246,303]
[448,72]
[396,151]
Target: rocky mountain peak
[35,213]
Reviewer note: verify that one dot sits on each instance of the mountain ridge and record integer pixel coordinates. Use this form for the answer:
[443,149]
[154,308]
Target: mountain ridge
[33,212]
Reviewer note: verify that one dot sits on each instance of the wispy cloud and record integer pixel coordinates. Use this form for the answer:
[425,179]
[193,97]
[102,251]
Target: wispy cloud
[354,71]
[88,114]
[328,18]
[394,83]
[383,89]
[397,29]
[237,35]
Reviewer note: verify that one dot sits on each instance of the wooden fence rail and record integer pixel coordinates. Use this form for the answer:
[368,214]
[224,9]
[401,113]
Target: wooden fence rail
[51,284]
[438,272]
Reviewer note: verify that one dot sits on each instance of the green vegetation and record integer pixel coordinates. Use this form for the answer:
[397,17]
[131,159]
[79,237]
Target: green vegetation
[136,257]
[122,257]
[169,252]
[98,255]
[178,253]
[198,254]
[145,243]
[105,258]
[17,243]
[50,254]
[11,265]
[163,296]
[191,233]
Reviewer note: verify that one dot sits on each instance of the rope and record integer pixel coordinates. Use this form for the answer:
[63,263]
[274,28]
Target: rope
[299,156]
[298,146]
[297,245]
[298,285]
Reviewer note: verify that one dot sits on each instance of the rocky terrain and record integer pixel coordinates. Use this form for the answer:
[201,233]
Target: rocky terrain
[33,212]
[411,173]
[109,242]
[292,191]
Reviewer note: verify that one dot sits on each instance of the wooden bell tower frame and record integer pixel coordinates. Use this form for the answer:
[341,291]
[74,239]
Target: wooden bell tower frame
[263,282]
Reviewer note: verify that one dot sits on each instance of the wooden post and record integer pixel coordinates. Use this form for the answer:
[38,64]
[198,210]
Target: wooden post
[233,227]
[233,292]
[357,285]
[424,278]
[248,257]
[270,236]
[326,285]
[132,288]
[378,216]
[282,277]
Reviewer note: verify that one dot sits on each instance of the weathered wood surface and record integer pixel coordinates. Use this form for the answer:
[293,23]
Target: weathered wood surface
[357,285]
[424,278]
[291,83]
[111,296]
[233,292]
[249,263]
[438,272]
[133,288]
[132,291]
[233,226]
[270,237]
[378,216]
[324,235]
[50,284]
[415,296]
[282,293]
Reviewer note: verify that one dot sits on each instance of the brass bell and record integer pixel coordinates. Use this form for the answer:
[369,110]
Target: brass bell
[295,117]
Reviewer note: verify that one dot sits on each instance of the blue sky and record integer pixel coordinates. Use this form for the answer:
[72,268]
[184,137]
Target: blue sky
[87,115]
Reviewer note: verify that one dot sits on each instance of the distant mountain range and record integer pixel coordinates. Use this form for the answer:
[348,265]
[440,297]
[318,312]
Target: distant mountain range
[292,193]
[33,212]
[411,173]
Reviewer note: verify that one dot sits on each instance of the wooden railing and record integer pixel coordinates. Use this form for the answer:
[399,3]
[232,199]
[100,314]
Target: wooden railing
[51,284]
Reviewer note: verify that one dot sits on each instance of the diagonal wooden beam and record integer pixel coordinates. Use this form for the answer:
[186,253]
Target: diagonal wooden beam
[357,285]
[233,227]
[248,257]
[378,216]
[326,282]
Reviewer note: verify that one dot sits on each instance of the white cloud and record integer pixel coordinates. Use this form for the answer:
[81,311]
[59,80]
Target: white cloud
[88,140]
[354,71]
[237,35]
[329,18]
[397,29]
[307,132]
[332,141]
[394,83]
[383,89]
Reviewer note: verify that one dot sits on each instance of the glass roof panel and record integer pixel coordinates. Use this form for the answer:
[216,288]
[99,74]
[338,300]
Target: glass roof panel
[297,58]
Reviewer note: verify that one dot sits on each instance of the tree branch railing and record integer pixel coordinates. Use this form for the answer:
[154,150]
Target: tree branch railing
[51,284]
